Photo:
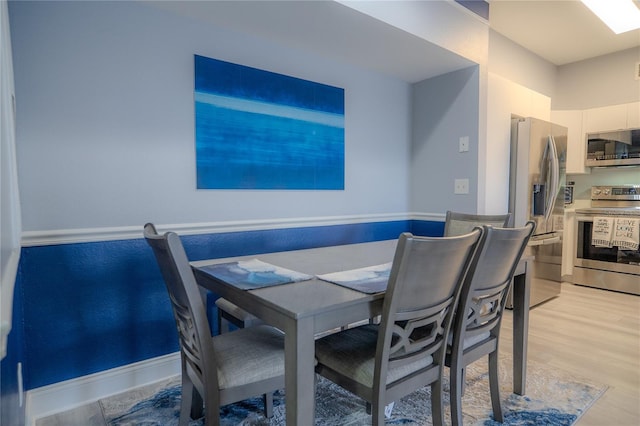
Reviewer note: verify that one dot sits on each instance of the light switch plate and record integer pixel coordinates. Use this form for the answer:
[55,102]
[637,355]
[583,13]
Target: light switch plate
[464,144]
[461,186]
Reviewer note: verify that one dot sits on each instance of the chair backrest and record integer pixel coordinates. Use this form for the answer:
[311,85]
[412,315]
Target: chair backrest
[462,223]
[194,332]
[424,284]
[484,292]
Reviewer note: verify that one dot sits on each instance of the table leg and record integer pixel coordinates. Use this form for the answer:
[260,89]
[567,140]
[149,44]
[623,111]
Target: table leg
[521,297]
[300,373]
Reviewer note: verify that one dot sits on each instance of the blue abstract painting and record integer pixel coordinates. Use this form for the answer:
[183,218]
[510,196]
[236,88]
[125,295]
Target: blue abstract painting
[257,129]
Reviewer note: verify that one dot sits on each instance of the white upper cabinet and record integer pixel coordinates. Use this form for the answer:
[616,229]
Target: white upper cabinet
[613,117]
[633,115]
[576,142]
[602,119]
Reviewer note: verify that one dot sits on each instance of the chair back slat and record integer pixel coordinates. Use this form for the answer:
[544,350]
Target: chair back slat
[424,284]
[418,335]
[194,332]
[462,223]
[484,293]
[485,308]
[186,335]
[216,370]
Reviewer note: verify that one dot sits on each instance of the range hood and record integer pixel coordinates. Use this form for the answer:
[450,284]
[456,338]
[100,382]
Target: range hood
[615,148]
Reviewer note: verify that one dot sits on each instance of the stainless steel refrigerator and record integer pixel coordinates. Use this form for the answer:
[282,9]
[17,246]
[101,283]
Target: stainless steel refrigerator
[536,192]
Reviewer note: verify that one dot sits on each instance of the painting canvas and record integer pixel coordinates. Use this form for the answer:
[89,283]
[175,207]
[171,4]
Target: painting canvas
[257,129]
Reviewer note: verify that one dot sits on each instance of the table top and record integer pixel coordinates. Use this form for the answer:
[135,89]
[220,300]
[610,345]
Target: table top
[308,298]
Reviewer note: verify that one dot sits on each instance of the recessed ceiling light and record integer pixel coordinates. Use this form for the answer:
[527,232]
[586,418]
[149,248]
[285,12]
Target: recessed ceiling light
[619,15]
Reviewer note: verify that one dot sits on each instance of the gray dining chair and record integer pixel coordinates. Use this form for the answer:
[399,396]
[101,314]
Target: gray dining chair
[457,223]
[216,370]
[476,327]
[383,362]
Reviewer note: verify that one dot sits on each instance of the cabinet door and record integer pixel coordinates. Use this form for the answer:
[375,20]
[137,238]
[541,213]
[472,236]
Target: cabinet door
[613,117]
[569,244]
[576,142]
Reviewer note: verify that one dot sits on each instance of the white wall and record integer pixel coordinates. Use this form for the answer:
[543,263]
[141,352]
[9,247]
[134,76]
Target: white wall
[445,108]
[520,83]
[602,81]
[506,98]
[513,62]
[105,121]
[452,27]
[444,23]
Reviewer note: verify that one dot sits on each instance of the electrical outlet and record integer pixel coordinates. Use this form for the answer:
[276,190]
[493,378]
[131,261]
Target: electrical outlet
[464,144]
[461,186]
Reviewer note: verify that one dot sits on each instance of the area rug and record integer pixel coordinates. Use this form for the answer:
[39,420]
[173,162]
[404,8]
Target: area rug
[553,397]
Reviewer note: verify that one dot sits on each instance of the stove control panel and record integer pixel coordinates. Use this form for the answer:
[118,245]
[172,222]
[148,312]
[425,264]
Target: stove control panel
[620,192]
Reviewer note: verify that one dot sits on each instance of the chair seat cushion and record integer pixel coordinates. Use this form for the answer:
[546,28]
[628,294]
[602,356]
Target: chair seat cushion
[352,353]
[234,310]
[469,341]
[249,355]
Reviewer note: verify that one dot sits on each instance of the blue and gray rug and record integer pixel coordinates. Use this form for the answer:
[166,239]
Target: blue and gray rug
[553,398]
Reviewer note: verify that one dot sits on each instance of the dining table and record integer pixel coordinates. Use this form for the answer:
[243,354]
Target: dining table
[302,310]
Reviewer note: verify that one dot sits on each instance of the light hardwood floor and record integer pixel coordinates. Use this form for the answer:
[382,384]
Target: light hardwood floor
[589,332]
[595,334]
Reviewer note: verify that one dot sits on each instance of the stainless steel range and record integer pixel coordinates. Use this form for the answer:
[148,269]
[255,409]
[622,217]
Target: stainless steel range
[607,254]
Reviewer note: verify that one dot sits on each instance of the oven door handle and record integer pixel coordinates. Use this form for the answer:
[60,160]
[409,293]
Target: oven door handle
[544,241]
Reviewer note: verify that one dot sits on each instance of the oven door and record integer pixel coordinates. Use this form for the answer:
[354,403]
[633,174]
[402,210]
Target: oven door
[604,267]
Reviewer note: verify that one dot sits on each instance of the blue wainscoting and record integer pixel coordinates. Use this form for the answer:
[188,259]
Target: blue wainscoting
[89,307]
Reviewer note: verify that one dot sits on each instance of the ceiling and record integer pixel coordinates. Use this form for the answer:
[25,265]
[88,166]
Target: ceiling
[561,31]
[329,29]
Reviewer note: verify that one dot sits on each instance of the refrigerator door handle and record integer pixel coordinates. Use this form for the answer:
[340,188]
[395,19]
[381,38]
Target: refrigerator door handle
[555,178]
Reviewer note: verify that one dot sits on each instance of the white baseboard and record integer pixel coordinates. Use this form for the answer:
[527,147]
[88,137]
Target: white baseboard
[63,396]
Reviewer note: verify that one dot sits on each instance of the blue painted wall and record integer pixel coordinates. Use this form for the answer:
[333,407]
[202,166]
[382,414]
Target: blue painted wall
[89,307]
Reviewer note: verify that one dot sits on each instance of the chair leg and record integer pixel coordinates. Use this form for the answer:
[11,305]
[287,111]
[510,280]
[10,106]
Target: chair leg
[437,404]
[197,405]
[457,383]
[377,414]
[268,404]
[494,386]
[186,401]
[223,324]
[464,381]
[315,392]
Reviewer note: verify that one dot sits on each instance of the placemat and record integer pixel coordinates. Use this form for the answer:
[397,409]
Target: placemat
[252,274]
[372,279]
